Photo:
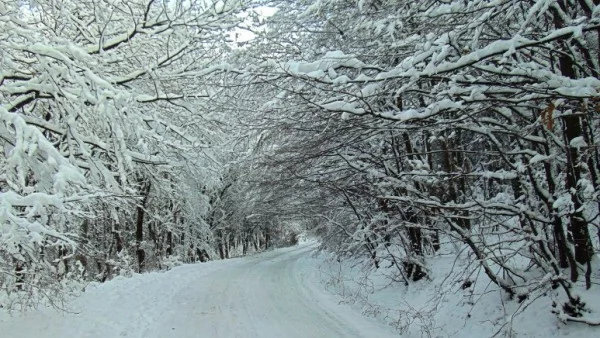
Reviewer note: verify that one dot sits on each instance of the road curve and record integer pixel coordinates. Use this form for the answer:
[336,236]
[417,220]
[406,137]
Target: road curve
[273,295]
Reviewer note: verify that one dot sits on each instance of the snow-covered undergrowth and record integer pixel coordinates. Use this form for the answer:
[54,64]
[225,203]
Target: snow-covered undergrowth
[457,299]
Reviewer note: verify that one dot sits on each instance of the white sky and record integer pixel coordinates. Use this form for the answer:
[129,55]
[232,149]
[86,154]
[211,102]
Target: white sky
[241,35]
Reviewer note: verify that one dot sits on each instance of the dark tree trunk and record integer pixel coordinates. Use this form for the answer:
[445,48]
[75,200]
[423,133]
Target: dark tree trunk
[452,193]
[435,236]
[20,275]
[572,129]
[414,232]
[227,249]
[267,240]
[169,251]
[414,270]
[221,244]
[245,244]
[116,230]
[221,251]
[62,255]
[435,240]
[578,223]
[139,227]
[256,243]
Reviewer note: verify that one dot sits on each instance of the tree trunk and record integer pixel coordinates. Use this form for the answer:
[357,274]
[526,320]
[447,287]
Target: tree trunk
[578,223]
[139,227]
[452,194]
[572,129]
[169,243]
[267,240]
[255,242]
[220,244]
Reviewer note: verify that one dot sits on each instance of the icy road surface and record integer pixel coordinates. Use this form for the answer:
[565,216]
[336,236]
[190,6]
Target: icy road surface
[276,294]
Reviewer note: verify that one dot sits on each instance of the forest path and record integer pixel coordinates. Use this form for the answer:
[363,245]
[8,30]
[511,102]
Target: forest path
[275,294]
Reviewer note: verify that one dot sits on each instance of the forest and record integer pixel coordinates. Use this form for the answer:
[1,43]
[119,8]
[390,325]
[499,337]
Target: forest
[138,135]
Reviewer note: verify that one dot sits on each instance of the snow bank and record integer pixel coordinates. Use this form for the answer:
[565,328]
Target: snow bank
[452,304]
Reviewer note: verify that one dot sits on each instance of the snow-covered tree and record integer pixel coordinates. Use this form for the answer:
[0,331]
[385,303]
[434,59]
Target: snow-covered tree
[474,122]
[106,139]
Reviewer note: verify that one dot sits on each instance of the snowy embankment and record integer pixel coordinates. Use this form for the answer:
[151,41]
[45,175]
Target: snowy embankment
[440,307]
[275,294]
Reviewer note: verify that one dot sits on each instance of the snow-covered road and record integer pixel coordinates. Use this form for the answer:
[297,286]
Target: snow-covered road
[276,294]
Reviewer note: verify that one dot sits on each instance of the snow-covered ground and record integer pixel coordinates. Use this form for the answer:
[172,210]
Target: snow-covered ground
[442,308]
[275,294]
[293,293]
